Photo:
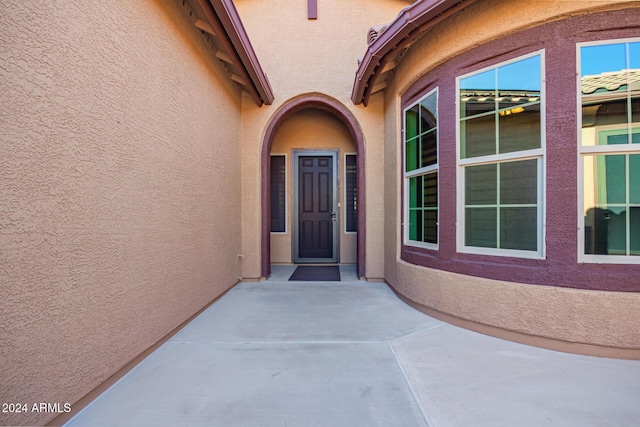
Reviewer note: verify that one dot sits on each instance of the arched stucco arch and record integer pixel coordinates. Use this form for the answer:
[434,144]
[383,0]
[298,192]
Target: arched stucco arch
[342,113]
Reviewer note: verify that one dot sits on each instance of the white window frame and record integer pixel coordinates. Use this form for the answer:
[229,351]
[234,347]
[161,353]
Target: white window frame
[589,150]
[286,192]
[537,153]
[344,158]
[419,172]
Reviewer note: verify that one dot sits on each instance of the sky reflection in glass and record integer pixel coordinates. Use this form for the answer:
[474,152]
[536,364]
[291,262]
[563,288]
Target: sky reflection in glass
[518,76]
[603,58]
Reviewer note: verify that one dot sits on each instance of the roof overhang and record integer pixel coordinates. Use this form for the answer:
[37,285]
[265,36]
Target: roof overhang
[220,19]
[382,54]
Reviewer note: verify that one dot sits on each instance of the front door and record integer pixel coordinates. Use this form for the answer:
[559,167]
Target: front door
[316,210]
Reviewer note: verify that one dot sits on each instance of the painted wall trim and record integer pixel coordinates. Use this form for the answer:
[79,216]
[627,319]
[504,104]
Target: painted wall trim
[400,33]
[336,108]
[225,21]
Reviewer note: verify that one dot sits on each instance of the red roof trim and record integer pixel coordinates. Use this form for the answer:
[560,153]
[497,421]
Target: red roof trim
[225,20]
[408,25]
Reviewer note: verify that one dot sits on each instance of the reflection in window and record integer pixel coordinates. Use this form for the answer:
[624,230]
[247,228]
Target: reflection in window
[612,199]
[500,109]
[501,157]
[610,148]
[421,172]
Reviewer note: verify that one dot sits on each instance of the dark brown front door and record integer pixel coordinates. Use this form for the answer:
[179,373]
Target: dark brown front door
[316,213]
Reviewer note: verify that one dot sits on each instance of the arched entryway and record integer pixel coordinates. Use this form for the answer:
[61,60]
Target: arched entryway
[340,112]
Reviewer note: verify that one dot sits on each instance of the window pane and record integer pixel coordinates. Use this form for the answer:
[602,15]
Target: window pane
[473,104]
[480,185]
[411,122]
[521,76]
[596,60]
[429,148]
[278,192]
[635,113]
[431,226]
[412,154]
[351,185]
[430,190]
[617,232]
[428,113]
[595,231]
[484,82]
[519,182]
[423,208]
[415,219]
[604,180]
[477,94]
[478,136]
[613,112]
[480,227]
[520,129]
[614,174]
[605,231]
[519,228]
[415,192]
[634,55]
[613,138]
[634,230]
[634,178]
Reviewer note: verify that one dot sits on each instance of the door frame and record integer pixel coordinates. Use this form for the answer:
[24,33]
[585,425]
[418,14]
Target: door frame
[288,108]
[296,155]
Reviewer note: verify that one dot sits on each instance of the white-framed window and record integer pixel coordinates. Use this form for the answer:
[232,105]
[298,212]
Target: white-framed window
[609,151]
[420,139]
[351,193]
[501,147]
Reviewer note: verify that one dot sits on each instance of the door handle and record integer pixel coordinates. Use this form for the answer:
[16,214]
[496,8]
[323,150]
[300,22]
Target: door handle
[333,215]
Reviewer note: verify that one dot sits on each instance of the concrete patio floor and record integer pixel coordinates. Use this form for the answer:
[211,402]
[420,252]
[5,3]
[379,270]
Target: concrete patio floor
[350,353]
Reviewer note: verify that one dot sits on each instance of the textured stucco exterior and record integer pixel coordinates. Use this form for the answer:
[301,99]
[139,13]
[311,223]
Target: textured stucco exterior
[598,318]
[131,176]
[312,56]
[119,188]
[312,130]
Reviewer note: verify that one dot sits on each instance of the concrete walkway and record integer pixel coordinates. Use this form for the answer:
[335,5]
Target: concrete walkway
[349,353]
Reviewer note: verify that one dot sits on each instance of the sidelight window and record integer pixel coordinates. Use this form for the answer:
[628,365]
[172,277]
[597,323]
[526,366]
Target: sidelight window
[278,193]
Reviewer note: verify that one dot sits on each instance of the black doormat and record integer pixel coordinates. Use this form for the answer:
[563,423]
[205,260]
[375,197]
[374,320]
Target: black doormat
[311,273]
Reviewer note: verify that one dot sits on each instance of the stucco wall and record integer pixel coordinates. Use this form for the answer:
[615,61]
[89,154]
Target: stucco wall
[598,318]
[119,189]
[302,56]
[312,130]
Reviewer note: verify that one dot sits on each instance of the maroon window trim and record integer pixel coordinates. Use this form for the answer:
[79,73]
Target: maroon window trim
[560,267]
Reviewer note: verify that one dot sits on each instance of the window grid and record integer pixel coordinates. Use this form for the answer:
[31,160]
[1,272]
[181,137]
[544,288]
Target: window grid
[599,140]
[529,98]
[421,164]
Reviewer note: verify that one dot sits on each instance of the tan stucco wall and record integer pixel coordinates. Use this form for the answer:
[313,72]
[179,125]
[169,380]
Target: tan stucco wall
[588,317]
[119,189]
[312,130]
[302,56]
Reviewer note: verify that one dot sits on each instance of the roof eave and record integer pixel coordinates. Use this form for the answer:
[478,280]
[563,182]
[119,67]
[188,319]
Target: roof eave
[406,27]
[223,17]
